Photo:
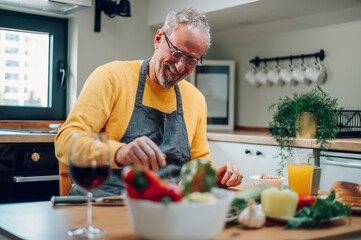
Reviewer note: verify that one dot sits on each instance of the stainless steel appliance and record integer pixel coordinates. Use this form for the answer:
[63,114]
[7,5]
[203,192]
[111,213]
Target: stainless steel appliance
[28,172]
[339,166]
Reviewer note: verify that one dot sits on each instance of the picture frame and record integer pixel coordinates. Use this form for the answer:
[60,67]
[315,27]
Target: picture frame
[215,80]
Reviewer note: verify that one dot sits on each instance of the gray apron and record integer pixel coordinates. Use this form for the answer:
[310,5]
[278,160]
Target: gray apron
[167,130]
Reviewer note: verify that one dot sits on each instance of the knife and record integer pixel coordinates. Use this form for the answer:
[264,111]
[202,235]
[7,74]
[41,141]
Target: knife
[55,200]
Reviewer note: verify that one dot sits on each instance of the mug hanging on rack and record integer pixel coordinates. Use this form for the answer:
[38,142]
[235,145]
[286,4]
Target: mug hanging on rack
[289,74]
[273,76]
[316,73]
[250,77]
[286,74]
[299,73]
[261,75]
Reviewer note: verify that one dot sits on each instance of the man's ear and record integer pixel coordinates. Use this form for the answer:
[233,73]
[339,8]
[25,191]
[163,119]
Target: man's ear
[158,38]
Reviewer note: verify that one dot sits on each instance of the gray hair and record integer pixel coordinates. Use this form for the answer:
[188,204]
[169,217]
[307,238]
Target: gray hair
[187,15]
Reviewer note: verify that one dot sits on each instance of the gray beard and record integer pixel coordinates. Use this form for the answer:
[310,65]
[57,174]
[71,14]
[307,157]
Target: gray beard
[165,82]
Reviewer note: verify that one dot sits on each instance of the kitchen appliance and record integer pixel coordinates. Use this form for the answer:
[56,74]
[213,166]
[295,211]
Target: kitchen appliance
[28,172]
[339,166]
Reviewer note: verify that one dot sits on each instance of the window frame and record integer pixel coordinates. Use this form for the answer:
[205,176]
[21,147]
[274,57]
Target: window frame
[58,30]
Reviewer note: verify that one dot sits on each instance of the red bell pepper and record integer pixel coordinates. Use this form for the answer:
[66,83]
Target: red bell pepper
[141,184]
[128,175]
[305,200]
[132,192]
[173,190]
[154,189]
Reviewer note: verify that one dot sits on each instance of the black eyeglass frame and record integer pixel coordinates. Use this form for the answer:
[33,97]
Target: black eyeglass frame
[188,59]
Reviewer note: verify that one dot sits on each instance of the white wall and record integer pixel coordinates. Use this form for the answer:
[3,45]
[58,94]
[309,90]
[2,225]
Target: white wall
[342,44]
[132,38]
[120,38]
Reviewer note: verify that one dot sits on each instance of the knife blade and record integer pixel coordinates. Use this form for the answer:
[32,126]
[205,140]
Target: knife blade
[55,200]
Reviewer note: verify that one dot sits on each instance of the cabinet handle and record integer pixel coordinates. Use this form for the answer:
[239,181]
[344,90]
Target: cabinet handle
[35,156]
[334,162]
[258,153]
[247,151]
[19,179]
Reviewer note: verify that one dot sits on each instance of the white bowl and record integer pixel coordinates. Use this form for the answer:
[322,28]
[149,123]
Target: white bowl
[272,182]
[182,220]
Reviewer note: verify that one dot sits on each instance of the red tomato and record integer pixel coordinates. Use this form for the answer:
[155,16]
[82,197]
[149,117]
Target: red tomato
[305,200]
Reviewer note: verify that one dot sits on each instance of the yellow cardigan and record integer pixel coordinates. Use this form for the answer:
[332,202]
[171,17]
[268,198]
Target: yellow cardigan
[106,104]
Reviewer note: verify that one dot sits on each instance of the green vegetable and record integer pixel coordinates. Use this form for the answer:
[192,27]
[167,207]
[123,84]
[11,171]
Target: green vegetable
[240,204]
[282,187]
[242,198]
[321,210]
[197,175]
[253,192]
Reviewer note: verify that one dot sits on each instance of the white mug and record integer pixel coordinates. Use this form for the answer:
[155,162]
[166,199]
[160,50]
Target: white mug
[286,74]
[273,76]
[299,74]
[316,73]
[250,76]
[261,76]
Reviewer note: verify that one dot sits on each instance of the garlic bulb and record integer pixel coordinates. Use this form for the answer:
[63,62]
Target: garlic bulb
[252,216]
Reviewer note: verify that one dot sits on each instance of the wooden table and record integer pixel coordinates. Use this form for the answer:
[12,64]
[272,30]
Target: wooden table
[42,221]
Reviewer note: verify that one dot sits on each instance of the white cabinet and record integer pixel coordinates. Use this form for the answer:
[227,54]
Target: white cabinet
[251,159]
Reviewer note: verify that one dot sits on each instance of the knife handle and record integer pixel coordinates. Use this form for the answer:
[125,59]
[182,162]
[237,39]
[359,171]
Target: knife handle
[67,199]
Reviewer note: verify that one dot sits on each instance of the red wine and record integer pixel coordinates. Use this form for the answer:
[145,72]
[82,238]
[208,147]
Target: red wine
[89,178]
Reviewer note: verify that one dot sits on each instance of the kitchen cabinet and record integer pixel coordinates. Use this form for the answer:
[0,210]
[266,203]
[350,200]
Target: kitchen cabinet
[251,159]
[28,167]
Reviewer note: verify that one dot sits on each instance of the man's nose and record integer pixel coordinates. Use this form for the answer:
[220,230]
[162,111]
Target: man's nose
[181,65]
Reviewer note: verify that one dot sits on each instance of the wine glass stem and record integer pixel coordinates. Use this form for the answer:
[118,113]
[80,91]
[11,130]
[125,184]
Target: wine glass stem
[89,209]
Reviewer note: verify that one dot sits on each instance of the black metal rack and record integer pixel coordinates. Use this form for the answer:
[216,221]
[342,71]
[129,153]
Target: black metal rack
[348,123]
[318,55]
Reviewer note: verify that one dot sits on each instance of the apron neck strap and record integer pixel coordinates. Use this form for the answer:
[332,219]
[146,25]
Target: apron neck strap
[141,86]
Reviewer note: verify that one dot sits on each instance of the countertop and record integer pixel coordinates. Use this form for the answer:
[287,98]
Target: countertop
[8,136]
[41,220]
[249,137]
[264,138]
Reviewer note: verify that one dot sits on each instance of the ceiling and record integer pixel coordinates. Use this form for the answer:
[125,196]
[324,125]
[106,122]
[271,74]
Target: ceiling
[244,15]
[265,11]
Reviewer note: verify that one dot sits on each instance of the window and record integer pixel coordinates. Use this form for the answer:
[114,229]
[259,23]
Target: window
[32,49]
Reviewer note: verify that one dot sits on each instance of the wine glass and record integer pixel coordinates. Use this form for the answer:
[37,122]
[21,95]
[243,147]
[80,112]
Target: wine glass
[89,167]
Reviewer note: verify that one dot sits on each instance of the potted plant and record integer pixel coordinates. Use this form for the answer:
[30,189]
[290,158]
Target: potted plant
[290,115]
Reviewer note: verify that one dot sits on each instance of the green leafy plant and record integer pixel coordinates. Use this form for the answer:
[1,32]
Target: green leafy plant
[321,211]
[287,111]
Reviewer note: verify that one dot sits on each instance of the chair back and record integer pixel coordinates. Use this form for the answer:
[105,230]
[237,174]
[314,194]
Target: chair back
[64,179]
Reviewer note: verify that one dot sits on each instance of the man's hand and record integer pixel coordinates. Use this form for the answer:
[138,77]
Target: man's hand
[143,153]
[228,175]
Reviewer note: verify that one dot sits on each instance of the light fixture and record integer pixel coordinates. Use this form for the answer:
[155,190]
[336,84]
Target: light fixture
[124,8]
[110,8]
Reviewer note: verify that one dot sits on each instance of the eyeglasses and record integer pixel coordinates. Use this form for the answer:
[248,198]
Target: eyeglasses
[178,54]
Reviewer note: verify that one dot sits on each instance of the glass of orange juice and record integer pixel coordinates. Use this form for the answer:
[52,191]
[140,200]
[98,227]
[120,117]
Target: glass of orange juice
[300,171]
